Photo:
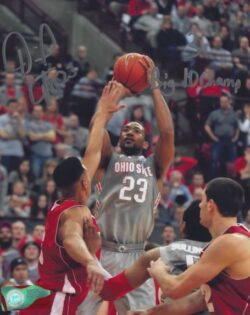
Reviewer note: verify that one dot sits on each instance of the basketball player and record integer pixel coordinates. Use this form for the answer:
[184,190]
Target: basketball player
[66,266]
[178,255]
[128,195]
[222,271]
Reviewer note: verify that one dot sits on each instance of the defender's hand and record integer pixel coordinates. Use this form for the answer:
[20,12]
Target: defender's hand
[91,237]
[95,276]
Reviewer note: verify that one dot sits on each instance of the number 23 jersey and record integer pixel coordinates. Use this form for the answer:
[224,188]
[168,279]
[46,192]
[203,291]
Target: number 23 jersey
[127,199]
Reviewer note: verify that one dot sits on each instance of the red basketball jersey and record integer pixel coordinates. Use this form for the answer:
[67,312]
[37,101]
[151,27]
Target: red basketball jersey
[58,271]
[228,296]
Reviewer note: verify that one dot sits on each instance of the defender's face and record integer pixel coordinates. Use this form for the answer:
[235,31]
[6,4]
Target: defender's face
[132,136]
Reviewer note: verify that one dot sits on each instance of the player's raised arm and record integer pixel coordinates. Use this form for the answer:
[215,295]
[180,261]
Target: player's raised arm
[98,143]
[164,151]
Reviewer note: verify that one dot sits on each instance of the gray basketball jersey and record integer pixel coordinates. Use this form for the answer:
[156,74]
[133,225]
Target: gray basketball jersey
[127,199]
[181,254]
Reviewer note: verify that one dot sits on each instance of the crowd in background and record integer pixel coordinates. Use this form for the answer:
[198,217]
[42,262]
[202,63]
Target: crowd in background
[210,37]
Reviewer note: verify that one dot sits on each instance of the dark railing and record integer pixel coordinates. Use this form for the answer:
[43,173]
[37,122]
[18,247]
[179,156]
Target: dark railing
[33,16]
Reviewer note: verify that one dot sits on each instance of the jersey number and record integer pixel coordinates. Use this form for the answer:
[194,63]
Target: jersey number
[130,184]
[190,260]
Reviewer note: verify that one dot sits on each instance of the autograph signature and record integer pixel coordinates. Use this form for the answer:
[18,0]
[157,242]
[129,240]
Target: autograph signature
[50,86]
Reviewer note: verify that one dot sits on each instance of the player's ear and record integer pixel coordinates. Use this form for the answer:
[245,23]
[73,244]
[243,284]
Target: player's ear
[145,145]
[84,182]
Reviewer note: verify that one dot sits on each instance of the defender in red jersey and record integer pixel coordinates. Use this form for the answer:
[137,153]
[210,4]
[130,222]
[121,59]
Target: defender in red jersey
[67,266]
[222,272]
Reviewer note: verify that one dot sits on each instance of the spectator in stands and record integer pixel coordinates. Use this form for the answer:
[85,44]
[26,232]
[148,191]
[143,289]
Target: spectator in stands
[55,86]
[243,53]
[12,133]
[38,232]
[180,20]
[23,174]
[56,119]
[41,135]
[9,90]
[244,124]
[177,187]
[82,64]
[48,170]
[18,233]
[196,182]
[219,58]
[197,47]
[30,252]
[56,58]
[19,272]
[7,252]
[211,10]
[169,41]
[3,188]
[247,220]
[32,91]
[80,134]
[197,194]
[118,7]
[40,208]
[225,36]
[86,92]
[183,164]
[164,6]
[168,235]
[222,126]
[204,24]
[19,201]
[51,191]
[177,218]
[165,207]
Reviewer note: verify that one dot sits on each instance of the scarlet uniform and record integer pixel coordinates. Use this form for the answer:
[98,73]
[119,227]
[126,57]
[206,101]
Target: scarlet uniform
[228,296]
[58,271]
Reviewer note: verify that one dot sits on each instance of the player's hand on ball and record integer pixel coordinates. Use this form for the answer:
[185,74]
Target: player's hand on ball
[157,268]
[95,276]
[153,74]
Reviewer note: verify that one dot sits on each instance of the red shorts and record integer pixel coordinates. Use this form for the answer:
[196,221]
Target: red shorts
[57,303]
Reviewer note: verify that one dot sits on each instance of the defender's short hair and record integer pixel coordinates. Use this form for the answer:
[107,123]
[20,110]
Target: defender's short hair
[68,172]
[227,194]
[194,230]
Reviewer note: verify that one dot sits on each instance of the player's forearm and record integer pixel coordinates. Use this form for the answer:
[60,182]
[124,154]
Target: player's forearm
[163,116]
[77,249]
[188,305]
[92,154]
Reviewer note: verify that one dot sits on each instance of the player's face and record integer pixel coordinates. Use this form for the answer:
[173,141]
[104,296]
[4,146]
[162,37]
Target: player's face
[204,218]
[132,138]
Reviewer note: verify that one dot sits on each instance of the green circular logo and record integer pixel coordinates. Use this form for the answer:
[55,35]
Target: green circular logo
[14,298]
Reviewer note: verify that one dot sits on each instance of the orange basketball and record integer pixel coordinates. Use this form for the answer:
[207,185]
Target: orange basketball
[129,71]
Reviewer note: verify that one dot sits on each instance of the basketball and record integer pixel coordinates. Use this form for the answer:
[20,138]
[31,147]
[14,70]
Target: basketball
[129,71]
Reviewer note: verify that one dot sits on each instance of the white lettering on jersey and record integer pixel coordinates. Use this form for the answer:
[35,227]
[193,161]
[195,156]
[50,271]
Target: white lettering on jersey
[131,167]
[186,248]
